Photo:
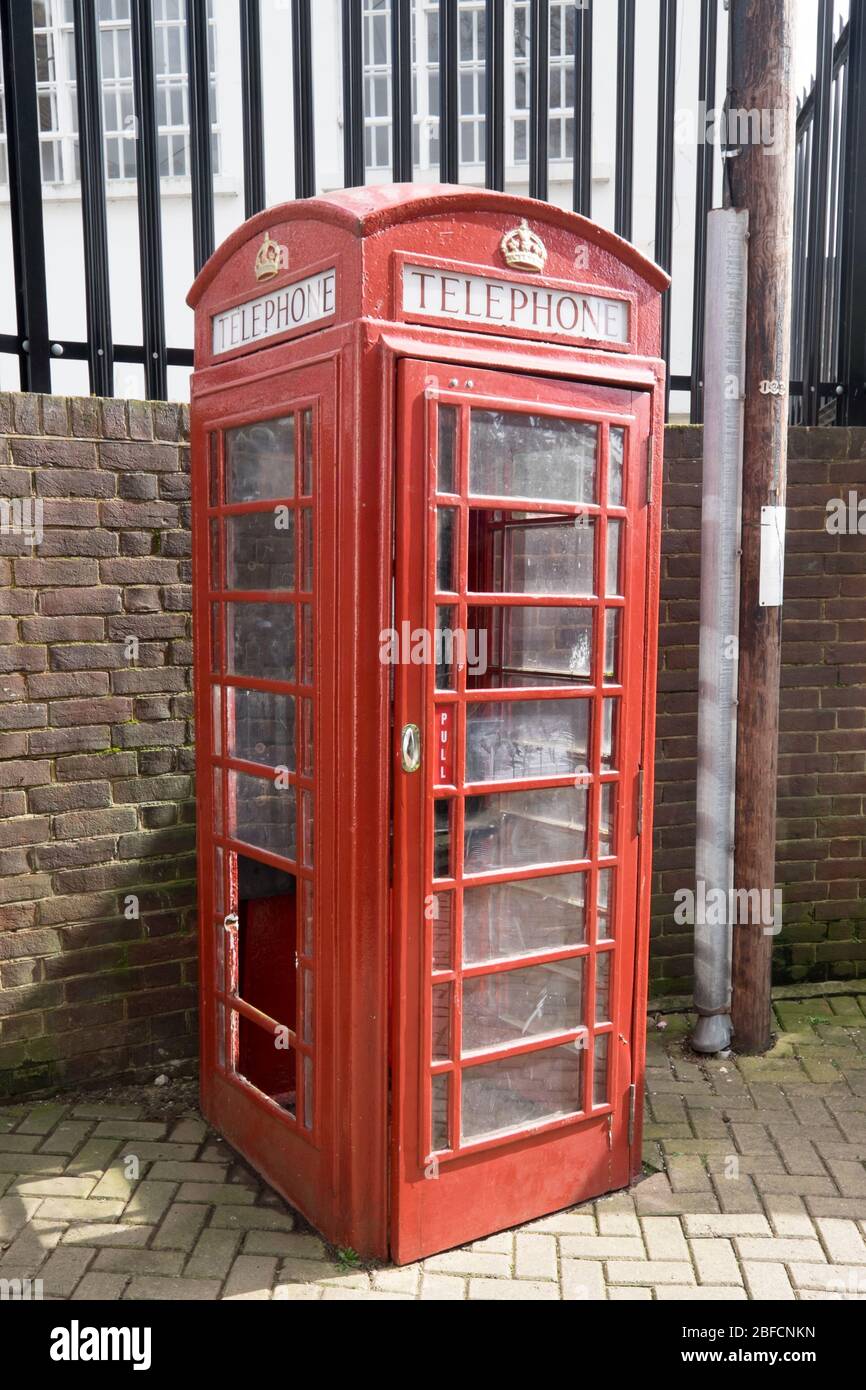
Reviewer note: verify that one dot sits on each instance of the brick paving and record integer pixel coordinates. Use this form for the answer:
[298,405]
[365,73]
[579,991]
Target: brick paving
[755,1188]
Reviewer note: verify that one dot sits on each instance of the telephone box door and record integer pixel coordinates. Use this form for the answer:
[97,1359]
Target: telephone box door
[519,645]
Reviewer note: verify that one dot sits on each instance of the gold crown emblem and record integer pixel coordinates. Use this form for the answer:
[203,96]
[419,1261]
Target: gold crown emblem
[271,258]
[523,248]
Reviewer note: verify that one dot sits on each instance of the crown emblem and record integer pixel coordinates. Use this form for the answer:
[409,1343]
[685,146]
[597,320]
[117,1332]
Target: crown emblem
[271,258]
[523,248]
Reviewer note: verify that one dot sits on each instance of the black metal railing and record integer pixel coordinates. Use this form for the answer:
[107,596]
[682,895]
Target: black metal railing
[829,301]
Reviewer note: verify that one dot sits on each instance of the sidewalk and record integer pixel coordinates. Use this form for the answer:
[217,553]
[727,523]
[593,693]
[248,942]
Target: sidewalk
[755,1188]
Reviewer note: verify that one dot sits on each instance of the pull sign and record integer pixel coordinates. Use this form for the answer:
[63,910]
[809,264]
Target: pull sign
[772,574]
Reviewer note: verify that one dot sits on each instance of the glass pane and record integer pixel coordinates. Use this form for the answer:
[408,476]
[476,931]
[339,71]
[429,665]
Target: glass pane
[213,471]
[306,644]
[599,1071]
[308,1093]
[446,532]
[307,549]
[514,1004]
[615,466]
[602,986]
[307,453]
[526,553]
[531,646]
[260,460]
[441,915]
[512,830]
[445,647]
[441,1022]
[609,722]
[516,1091]
[536,456]
[260,550]
[442,838]
[307,1013]
[262,814]
[613,581]
[308,917]
[605,905]
[523,918]
[261,640]
[446,466]
[520,739]
[611,646]
[441,1089]
[261,727]
[606,815]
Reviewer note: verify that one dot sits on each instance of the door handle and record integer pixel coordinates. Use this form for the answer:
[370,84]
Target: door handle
[410,748]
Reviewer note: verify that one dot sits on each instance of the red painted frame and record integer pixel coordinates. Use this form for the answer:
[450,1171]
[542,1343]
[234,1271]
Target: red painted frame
[340,1179]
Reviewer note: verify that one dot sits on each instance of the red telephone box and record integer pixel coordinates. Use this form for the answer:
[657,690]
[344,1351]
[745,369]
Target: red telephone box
[426,437]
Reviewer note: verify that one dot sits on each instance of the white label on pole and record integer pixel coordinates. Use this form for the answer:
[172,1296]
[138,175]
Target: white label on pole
[772,576]
[291,306]
[432,293]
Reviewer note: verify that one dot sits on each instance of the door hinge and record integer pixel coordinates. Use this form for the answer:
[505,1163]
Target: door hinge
[610,1130]
[632,1103]
[649,468]
[640,801]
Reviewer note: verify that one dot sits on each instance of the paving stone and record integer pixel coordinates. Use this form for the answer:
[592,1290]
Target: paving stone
[251,1277]
[709,1293]
[842,1240]
[849,1280]
[469,1262]
[602,1248]
[130,1129]
[230,1193]
[181,1226]
[615,1223]
[298,1292]
[500,1244]
[19,1143]
[715,1260]
[285,1243]
[149,1288]
[187,1172]
[54,1187]
[252,1219]
[759,1248]
[79,1208]
[64,1268]
[213,1255]
[565,1223]
[766,1280]
[582,1280]
[105,1234]
[149,1201]
[664,1238]
[535,1257]
[442,1287]
[624,1294]
[101,1288]
[189,1132]
[405,1280]
[649,1272]
[28,1251]
[41,1119]
[105,1110]
[295,1271]
[66,1138]
[30,1163]
[127,1261]
[520,1290]
[92,1158]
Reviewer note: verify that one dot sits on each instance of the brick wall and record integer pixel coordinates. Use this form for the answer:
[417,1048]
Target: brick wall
[822,763]
[97,958]
[96,803]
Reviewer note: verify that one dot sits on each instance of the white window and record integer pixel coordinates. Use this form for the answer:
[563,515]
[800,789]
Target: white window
[54,48]
[561,78]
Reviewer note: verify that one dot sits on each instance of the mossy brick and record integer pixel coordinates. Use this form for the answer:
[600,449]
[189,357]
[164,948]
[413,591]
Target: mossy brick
[86,766]
[147,626]
[81,602]
[154,680]
[114,424]
[86,542]
[166,732]
[76,454]
[70,740]
[87,656]
[23,716]
[71,796]
[19,658]
[86,417]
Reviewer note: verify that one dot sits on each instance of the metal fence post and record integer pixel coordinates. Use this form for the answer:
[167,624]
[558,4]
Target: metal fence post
[252,113]
[302,99]
[816,255]
[852,320]
[149,218]
[201,160]
[354,163]
[25,195]
[100,353]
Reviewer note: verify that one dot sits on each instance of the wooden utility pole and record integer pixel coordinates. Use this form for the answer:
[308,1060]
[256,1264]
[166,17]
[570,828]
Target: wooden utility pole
[761,180]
